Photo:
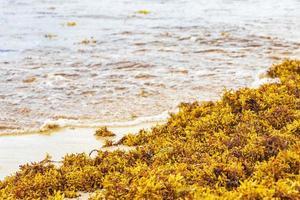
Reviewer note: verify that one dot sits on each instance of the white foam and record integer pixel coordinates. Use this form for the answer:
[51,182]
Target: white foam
[61,123]
[261,77]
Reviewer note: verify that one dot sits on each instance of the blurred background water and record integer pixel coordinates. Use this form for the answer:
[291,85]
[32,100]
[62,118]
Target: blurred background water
[75,61]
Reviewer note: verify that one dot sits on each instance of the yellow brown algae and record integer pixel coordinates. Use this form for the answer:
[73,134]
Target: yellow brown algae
[104,132]
[143,12]
[244,146]
[71,23]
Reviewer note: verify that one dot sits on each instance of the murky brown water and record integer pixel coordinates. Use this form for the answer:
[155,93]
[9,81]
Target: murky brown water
[116,65]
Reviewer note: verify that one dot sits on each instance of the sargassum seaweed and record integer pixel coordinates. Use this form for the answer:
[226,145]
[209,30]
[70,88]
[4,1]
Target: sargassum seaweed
[244,146]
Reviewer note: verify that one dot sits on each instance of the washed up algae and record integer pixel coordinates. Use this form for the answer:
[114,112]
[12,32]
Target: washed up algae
[104,132]
[244,146]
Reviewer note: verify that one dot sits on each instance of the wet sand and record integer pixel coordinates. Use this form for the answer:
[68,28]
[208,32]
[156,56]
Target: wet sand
[16,150]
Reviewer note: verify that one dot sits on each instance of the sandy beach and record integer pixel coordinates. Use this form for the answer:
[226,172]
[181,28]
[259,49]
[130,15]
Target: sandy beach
[16,150]
[218,82]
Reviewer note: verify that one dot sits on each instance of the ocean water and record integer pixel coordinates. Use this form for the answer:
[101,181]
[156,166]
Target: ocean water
[83,63]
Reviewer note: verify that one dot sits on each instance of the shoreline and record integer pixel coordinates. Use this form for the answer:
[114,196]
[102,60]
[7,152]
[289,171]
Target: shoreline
[61,127]
[234,148]
[53,125]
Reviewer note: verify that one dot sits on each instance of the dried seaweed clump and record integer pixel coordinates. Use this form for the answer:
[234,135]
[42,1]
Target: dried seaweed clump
[244,146]
[104,132]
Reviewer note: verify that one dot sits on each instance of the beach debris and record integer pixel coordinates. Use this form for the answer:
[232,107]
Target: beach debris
[50,36]
[49,126]
[104,132]
[71,24]
[133,116]
[108,143]
[225,34]
[94,150]
[29,79]
[144,93]
[143,12]
[88,41]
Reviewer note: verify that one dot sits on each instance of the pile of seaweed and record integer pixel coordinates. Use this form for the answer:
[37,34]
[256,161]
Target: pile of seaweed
[244,146]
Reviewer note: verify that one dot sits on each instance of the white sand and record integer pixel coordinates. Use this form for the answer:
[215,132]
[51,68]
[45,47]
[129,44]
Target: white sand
[20,149]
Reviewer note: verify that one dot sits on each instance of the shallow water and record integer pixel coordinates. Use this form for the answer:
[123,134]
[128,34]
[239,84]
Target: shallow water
[17,150]
[117,65]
